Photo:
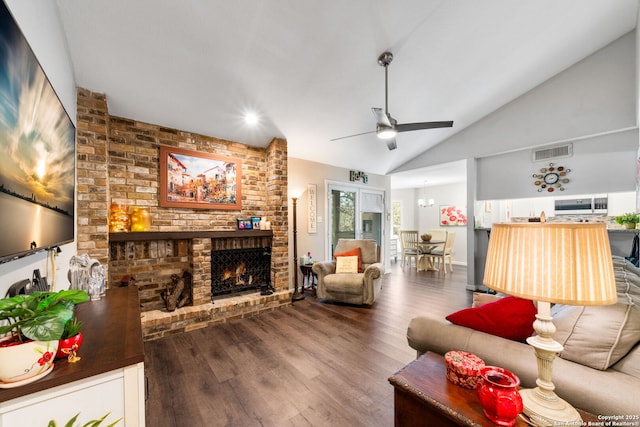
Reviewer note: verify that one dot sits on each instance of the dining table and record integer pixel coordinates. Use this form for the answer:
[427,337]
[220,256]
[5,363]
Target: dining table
[425,262]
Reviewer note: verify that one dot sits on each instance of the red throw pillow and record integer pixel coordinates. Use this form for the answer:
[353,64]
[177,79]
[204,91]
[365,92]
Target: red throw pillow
[508,317]
[353,252]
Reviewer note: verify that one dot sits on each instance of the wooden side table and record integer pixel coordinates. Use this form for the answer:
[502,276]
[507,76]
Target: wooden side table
[308,277]
[423,397]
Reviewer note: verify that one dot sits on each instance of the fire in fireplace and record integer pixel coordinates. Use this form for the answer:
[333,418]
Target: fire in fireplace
[240,270]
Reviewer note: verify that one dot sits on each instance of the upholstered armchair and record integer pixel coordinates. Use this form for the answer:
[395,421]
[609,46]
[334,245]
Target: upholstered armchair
[360,288]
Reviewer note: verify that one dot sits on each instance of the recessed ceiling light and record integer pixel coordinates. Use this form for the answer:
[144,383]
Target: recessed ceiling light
[251,118]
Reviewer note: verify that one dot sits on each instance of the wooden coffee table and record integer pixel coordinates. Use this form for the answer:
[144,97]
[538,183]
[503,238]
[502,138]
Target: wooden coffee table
[423,397]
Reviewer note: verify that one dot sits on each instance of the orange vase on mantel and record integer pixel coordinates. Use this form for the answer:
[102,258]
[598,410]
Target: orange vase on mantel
[119,218]
[140,219]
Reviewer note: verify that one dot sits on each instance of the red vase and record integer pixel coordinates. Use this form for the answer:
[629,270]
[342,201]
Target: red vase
[66,346]
[498,392]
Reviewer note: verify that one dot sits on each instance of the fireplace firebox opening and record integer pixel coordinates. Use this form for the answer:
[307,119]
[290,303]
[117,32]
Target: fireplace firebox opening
[235,271]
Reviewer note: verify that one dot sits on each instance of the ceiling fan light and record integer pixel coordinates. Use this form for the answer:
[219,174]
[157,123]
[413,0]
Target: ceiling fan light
[386,133]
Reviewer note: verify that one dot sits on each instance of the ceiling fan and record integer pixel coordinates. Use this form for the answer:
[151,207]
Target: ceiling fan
[386,126]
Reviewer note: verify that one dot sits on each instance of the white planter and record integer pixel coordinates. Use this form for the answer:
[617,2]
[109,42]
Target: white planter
[23,363]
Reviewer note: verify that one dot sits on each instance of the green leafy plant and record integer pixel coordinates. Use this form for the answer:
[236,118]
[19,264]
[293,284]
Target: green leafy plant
[71,328]
[92,423]
[40,316]
[628,218]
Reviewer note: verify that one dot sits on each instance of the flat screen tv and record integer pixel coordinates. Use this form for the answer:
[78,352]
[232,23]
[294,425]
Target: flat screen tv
[37,152]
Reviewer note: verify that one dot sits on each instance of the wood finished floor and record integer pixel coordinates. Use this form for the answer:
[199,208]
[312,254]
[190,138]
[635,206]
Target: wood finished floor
[311,364]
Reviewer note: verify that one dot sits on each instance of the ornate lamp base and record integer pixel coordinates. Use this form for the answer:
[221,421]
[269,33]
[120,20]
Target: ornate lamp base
[545,410]
[541,404]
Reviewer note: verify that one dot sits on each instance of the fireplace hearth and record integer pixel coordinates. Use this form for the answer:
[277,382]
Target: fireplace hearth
[235,271]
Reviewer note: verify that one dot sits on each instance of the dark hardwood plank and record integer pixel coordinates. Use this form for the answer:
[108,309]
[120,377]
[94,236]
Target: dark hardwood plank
[311,364]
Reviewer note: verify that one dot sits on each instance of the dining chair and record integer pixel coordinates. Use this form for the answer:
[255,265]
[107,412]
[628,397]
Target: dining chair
[443,253]
[437,241]
[438,234]
[409,247]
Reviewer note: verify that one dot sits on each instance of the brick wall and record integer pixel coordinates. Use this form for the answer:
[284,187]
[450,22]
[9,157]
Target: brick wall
[92,188]
[118,162]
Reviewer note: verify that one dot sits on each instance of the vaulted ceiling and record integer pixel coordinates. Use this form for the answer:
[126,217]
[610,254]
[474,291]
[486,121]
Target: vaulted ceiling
[309,69]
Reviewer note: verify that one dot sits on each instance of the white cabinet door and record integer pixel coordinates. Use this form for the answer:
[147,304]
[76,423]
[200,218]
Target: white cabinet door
[119,392]
[531,207]
[92,398]
[543,204]
[621,203]
[521,208]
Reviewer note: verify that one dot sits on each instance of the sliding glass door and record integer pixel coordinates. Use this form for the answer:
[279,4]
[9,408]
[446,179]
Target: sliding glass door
[342,214]
[355,213]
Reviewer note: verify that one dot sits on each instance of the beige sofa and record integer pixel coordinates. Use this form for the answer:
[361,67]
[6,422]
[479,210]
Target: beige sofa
[352,288]
[599,368]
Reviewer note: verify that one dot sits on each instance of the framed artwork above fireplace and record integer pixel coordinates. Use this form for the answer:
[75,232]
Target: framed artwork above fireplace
[197,180]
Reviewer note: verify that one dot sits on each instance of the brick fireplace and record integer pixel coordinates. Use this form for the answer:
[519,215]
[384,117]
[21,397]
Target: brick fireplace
[118,162]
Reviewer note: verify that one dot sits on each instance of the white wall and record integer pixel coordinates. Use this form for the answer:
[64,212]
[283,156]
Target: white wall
[637,104]
[407,198]
[41,25]
[597,95]
[605,164]
[303,172]
[594,99]
[428,217]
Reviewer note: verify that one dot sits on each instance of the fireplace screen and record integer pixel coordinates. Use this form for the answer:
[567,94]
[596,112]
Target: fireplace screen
[240,270]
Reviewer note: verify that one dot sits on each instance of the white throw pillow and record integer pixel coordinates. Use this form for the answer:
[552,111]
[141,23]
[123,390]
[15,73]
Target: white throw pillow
[346,264]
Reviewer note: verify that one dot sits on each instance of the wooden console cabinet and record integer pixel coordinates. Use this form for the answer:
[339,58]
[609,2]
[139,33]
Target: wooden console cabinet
[109,378]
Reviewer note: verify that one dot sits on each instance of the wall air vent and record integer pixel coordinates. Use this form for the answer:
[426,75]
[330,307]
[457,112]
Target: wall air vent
[556,152]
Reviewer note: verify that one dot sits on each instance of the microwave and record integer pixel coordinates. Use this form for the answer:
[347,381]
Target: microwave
[581,206]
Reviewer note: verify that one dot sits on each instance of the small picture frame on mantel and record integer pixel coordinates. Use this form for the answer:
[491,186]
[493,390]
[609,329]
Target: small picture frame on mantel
[244,224]
[255,222]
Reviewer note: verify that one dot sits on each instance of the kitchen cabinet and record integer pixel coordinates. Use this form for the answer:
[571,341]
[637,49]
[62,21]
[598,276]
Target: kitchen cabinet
[621,203]
[531,207]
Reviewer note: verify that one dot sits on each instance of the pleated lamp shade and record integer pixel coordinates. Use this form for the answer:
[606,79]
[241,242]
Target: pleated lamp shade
[566,263]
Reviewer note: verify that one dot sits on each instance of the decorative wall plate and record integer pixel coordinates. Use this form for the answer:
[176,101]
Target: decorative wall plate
[551,178]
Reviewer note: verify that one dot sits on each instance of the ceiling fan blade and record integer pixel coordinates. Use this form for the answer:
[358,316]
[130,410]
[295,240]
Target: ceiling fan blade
[406,127]
[350,136]
[381,117]
[391,144]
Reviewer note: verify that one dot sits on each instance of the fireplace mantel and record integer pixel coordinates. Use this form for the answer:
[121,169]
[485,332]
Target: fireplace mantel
[178,235]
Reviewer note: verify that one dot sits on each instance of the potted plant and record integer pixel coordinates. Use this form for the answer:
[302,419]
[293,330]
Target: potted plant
[92,423]
[70,341]
[629,220]
[34,324]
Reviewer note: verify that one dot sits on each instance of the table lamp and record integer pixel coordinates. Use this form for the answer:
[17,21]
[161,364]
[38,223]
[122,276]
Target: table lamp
[565,263]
